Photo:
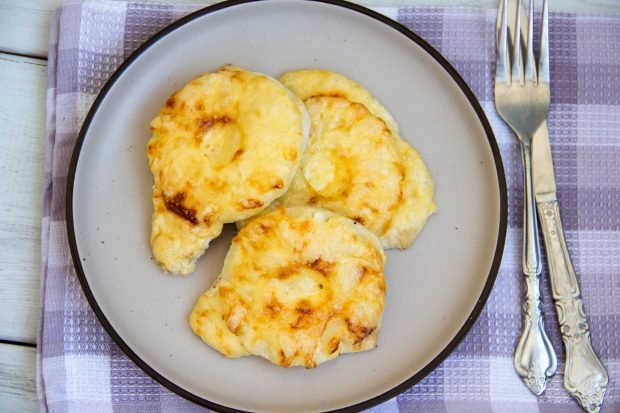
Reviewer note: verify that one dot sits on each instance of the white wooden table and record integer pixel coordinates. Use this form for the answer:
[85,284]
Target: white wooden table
[24,32]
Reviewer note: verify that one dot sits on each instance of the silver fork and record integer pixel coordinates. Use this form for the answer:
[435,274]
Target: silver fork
[522,100]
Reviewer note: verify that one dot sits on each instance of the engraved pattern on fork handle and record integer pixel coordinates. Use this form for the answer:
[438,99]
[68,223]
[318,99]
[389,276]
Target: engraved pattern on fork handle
[535,360]
[584,376]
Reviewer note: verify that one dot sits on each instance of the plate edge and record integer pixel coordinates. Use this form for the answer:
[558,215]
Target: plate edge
[465,89]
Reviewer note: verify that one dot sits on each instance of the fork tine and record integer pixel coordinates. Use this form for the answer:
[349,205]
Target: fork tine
[502,68]
[543,59]
[498,21]
[530,62]
[517,59]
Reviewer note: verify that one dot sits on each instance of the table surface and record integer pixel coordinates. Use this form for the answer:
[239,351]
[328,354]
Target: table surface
[24,32]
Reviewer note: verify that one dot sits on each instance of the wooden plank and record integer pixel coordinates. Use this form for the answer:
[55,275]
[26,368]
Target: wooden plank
[24,24]
[17,379]
[22,137]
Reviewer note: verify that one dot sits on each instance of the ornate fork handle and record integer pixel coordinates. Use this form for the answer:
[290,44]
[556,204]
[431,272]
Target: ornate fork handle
[535,360]
[584,376]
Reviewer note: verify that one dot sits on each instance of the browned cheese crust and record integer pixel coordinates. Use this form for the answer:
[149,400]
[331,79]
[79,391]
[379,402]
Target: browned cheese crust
[300,286]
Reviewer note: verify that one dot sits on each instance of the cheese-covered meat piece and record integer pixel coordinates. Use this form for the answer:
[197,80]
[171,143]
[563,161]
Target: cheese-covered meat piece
[299,286]
[356,163]
[222,149]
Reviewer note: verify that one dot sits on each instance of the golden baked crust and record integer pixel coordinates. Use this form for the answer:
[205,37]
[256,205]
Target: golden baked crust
[356,163]
[223,148]
[318,82]
[299,286]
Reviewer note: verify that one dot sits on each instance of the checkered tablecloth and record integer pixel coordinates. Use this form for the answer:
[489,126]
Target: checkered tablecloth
[80,369]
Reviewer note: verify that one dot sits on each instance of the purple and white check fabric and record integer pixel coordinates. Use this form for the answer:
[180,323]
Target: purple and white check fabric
[80,369]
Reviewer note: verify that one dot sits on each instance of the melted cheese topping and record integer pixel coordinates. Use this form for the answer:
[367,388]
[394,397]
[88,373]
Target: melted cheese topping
[316,82]
[223,148]
[299,286]
[356,163]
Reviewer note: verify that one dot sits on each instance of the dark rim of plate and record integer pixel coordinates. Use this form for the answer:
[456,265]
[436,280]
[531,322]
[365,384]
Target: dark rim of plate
[446,66]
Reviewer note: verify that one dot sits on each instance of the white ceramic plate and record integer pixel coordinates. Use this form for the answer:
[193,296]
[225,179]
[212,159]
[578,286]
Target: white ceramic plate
[435,289]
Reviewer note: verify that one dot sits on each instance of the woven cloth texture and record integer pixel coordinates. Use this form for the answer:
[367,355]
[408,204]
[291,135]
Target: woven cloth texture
[80,368]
